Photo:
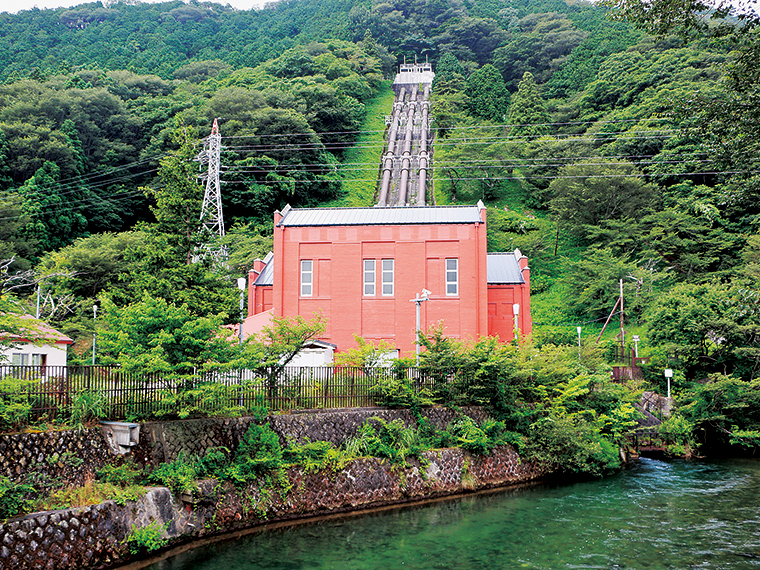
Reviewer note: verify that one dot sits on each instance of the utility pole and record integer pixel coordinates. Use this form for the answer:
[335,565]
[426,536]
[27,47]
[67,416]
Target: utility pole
[212,217]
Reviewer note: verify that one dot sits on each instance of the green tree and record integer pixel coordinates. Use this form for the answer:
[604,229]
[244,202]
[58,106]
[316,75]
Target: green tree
[154,336]
[587,196]
[527,111]
[178,197]
[52,222]
[488,97]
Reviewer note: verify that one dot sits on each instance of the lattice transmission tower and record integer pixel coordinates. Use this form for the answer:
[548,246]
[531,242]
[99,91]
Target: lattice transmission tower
[212,217]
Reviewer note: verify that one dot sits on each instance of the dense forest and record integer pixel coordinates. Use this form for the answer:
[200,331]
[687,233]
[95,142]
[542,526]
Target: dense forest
[609,143]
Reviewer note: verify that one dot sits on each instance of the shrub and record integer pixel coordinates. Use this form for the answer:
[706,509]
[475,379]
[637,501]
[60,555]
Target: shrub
[14,402]
[87,406]
[398,391]
[317,455]
[13,497]
[147,539]
[259,451]
[128,473]
[180,475]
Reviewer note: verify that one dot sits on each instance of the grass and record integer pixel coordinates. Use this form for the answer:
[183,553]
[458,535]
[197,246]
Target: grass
[362,160]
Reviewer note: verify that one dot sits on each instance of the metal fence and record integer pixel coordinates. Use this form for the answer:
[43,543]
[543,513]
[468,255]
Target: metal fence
[53,391]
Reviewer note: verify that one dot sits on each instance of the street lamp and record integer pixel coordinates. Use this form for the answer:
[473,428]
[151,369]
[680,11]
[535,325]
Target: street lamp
[516,311]
[418,300]
[241,283]
[579,341]
[94,317]
[636,345]
[668,376]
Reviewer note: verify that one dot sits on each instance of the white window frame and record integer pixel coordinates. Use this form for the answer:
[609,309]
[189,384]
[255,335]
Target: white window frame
[307,277]
[19,359]
[387,271]
[452,286]
[369,287]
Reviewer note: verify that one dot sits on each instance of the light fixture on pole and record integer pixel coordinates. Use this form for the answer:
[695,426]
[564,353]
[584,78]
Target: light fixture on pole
[516,311]
[668,376]
[241,283]
[636,345]
[579,341]
[418,300]
[94,317]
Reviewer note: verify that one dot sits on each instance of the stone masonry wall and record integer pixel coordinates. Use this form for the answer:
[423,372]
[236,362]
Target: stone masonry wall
[71,456]
[164,441]
[95,537]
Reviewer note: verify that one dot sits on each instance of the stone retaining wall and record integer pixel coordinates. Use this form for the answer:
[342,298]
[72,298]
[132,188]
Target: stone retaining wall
[70,456]
[164,441]
[95,537]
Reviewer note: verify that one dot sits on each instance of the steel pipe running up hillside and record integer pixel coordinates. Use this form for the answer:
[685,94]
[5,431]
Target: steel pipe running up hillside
[385,185]
[406,161]
[423,168]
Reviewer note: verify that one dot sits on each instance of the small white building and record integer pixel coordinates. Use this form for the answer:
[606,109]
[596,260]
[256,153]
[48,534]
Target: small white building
[19,351]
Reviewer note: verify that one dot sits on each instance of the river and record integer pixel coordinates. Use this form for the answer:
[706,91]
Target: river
[655,515]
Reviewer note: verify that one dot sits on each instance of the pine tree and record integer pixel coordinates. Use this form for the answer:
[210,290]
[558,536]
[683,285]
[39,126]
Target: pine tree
[527,112]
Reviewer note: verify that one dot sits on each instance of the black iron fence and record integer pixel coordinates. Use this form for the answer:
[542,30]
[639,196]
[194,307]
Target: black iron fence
[53,391]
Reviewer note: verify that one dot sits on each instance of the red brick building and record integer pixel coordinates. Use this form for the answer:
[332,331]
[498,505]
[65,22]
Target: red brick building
[361,267]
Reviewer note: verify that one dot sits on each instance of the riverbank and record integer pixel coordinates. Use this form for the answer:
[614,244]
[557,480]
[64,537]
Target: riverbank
[109,534]
[99,536]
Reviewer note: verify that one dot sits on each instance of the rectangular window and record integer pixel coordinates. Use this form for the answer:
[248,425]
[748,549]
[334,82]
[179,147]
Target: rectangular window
[387,277]
[39,359]
[452,277]
[19,359]
[307,277]
[369,277]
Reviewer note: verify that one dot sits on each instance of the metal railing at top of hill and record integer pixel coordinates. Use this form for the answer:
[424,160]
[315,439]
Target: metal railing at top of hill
[54,391]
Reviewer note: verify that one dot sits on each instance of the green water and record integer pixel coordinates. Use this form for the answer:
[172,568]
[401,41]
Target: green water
[657,515]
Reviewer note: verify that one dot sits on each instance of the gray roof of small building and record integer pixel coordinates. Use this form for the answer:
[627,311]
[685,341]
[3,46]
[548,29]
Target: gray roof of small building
[503,268]
[266,277]
[412,215]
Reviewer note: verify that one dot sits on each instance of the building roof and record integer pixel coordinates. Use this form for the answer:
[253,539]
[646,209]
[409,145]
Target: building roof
[410,215]
[266,277]
[503,268]
[39,331]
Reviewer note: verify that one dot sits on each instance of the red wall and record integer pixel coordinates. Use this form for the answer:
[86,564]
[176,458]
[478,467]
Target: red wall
[419,252]
[501,301]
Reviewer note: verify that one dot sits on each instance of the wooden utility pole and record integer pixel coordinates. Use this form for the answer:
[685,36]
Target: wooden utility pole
[622,330]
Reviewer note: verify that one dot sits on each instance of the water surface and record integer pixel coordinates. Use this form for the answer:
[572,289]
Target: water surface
[657,515]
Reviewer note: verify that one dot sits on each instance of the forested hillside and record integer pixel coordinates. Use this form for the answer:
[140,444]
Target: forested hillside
[603,152]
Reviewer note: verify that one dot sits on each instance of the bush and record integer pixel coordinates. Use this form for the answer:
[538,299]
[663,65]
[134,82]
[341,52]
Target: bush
[180,475]
[14,402]
[87,406]
[571,444]
[398,391]
[259,452]
[128,473]
[147,538]
[13,497]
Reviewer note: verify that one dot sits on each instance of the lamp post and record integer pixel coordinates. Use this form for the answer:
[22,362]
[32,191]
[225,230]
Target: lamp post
[668,376]
[516,311]
[418,300]
[241,283]
[94,317]
[579,341]
[636,346]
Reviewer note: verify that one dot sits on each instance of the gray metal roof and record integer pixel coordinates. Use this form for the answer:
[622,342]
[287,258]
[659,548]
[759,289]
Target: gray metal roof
[380,216]
[266,277]
[503,268]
